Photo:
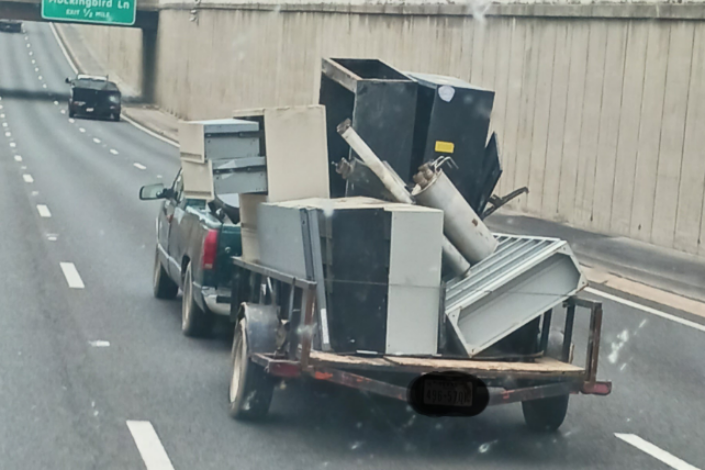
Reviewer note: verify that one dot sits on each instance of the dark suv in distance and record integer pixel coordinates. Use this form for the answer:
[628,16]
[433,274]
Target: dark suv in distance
[10,26]
[94,96]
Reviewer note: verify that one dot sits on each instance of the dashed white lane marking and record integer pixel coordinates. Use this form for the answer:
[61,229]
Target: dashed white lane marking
[159,176]
[72,120]
[81,129]
[644,308]
[30,53]
[43,211]
[27,44]
[657,453]
[27,178]
[44,85]
[39,77]
[96,140]
[52,237]
[113,151]
[8,134]
[72,277]
[4,124]
[56,103]
[36,69]
[13,145]
[139,166]
[63,111]
[18,158]
[99,343]
[23,168]
[149,445]
[33,61]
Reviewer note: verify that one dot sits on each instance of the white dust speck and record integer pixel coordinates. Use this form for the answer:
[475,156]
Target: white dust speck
[486,446]
[622,339]
[355,445]
[328,207]
[643,323]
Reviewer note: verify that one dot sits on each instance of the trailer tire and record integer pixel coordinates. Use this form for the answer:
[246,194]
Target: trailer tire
[547,414]
[251,388]
[195,322]
[163,286]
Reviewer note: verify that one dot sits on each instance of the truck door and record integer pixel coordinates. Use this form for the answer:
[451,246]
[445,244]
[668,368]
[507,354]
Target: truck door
[165,222]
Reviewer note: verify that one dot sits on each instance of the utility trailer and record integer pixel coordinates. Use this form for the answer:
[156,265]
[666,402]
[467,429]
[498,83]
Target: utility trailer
[275,339]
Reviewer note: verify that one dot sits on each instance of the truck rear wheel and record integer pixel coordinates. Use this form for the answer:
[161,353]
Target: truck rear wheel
[195,322]
[163,286]
[547,414]
[251,388]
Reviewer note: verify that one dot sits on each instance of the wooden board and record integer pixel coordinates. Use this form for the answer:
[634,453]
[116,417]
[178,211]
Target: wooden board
[541,368]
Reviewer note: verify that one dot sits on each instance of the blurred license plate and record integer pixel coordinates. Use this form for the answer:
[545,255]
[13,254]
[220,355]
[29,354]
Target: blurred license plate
[447,393]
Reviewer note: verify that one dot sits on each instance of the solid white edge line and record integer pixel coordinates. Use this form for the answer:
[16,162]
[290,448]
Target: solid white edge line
[131,121]
[149,445]
[43,211]
[150,132]
[657,453]
[72,277]
[646,309]
[63,49]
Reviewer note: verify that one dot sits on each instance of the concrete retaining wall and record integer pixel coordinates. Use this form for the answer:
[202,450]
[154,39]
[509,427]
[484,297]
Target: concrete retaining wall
[601,117]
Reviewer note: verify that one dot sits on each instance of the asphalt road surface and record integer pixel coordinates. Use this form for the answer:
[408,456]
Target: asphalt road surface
[95,374]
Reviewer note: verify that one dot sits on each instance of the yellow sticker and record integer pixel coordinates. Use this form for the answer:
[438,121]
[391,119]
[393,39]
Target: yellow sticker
[444,147]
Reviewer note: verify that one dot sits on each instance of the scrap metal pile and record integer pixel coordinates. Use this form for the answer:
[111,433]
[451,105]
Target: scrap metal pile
[379,195]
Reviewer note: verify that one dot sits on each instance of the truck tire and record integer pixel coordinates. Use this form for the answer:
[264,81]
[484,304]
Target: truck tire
[251,388]
[195,322]
[547,414]
[162,285]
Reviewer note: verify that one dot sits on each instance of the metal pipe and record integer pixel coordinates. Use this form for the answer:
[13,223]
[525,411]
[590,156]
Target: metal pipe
[455,260]
[461,224]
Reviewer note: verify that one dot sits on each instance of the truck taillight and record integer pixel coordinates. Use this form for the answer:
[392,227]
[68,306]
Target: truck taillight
[210,249]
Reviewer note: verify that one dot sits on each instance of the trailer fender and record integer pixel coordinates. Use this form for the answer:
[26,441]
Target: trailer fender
[262,327]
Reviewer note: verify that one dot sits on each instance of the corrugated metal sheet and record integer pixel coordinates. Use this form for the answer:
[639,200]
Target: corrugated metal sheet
[524,277]
[512,253]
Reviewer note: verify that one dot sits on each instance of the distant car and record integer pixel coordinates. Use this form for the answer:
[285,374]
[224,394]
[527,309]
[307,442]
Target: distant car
[10,26]
[94,96]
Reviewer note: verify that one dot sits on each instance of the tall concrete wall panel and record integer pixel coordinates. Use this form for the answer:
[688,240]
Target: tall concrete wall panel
[601,117]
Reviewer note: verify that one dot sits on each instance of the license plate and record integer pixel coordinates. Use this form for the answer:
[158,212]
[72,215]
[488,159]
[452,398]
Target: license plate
[447,393]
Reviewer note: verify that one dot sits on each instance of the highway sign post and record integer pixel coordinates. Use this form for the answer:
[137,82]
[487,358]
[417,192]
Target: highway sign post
[115,12]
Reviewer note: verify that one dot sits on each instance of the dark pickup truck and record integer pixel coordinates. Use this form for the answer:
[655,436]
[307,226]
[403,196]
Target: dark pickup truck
[195,240]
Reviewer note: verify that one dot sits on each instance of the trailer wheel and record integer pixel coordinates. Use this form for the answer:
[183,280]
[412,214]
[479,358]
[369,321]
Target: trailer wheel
[195,322]
[547,414]
[251,388]
[164,287]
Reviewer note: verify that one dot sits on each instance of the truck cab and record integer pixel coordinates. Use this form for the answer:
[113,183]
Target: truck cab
[195,240]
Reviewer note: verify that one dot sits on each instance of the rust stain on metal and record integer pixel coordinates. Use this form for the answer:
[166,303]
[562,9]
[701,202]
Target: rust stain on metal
[322,375]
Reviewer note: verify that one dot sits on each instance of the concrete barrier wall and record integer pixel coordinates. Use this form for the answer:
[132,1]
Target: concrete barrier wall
[601,117]
[118,51]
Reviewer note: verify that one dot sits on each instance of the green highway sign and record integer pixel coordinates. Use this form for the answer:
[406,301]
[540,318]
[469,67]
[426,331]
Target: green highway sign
[117,12]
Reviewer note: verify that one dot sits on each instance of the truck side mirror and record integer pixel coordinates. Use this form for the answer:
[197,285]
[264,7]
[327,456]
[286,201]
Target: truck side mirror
[153,191]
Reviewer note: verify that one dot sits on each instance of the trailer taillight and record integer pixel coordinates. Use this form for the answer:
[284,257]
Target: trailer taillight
[210,249]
